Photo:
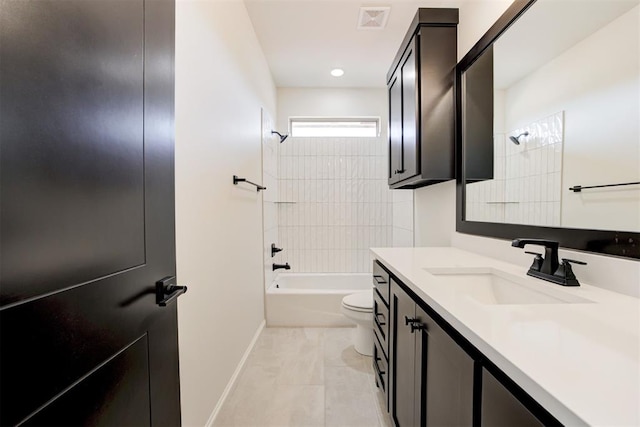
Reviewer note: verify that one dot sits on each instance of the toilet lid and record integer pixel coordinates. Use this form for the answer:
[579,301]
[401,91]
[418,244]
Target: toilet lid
[360,301]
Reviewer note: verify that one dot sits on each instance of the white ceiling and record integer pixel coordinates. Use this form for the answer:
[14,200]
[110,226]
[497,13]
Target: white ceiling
[304,39]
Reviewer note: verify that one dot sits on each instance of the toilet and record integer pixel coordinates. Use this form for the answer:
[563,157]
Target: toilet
[358,308]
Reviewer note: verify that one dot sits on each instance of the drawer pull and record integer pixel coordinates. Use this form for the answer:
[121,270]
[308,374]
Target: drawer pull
[410,320]
[381,323]
[380,373]
[417,326]
[379,279]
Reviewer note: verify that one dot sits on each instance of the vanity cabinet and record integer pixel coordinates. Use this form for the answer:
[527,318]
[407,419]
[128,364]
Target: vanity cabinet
[501,408]
[433,376]
[381,328]
[407,361]
[421,101]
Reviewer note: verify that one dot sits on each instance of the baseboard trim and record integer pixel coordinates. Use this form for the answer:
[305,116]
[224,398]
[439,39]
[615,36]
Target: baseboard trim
[235,376]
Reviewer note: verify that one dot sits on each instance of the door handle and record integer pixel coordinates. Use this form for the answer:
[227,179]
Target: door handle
[167,292]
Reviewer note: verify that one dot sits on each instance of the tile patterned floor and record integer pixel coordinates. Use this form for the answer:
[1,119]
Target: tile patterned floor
[305,377]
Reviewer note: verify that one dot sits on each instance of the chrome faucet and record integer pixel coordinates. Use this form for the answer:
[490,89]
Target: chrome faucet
[548,267]
[278,266]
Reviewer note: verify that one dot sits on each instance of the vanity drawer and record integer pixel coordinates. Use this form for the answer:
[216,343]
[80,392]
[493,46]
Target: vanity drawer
[381,321]
[380,366]
[381,281]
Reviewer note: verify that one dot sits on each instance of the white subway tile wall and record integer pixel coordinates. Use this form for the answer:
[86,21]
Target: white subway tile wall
[527,181]
[334,203]
[402,218]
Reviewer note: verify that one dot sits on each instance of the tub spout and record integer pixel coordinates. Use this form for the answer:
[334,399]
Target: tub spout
[278,266]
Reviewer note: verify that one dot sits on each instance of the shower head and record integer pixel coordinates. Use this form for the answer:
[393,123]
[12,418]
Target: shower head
[282,137]
[516,139]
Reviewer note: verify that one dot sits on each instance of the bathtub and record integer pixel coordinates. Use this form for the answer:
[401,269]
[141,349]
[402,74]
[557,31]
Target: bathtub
[312,299]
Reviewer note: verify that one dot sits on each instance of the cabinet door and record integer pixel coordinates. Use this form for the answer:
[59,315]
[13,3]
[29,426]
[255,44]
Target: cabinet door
[410,111]
[447,377]
[404,377]
[477,118]
[395,128]
[501,408]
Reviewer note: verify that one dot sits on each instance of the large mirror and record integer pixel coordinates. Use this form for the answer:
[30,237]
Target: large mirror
[549,126]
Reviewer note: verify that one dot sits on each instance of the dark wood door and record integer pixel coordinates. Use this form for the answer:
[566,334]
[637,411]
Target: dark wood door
[87,213]
[404,378]
[395,129]
[447,394]
[410,111]
[477,118]
[500,408]
[404,118]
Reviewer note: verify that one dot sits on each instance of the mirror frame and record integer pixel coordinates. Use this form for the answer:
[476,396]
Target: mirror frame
[617,243]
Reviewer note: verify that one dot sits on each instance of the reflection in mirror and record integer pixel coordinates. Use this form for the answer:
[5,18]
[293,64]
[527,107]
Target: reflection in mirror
[553,104]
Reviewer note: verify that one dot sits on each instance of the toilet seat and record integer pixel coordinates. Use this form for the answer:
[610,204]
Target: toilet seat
[360,301]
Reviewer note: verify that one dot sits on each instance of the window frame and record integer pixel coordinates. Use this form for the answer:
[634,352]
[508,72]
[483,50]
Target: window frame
[335,119]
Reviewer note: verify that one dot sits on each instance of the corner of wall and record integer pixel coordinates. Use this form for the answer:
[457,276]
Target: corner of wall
[222,82]
[435,214]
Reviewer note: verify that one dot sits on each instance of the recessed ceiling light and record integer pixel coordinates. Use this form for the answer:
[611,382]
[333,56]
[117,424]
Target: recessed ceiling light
[337,72]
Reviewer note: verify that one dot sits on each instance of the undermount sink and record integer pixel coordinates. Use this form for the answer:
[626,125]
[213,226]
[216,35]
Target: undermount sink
[491,286]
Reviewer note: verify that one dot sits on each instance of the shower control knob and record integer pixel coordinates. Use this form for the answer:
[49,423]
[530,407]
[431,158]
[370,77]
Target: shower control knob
[274,250]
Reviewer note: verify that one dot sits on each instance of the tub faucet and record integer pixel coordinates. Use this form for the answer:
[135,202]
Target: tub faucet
[285,266]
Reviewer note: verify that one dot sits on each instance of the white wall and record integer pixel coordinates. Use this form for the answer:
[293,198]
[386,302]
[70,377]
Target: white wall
[271,197]
[435,205]
[597,85]
[332,102]
[222,81]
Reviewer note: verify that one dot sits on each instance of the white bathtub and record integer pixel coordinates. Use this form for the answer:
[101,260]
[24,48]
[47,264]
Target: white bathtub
[312,299]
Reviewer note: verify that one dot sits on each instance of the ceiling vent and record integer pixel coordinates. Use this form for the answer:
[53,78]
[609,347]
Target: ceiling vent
[373,18]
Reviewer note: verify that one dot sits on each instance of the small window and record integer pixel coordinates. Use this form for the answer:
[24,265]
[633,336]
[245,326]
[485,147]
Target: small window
[335,127]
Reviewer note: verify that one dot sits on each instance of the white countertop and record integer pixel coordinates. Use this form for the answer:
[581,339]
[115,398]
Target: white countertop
[579,361]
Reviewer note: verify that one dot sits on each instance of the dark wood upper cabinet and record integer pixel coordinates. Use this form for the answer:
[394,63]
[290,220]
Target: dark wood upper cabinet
[477,125]
[421,101]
